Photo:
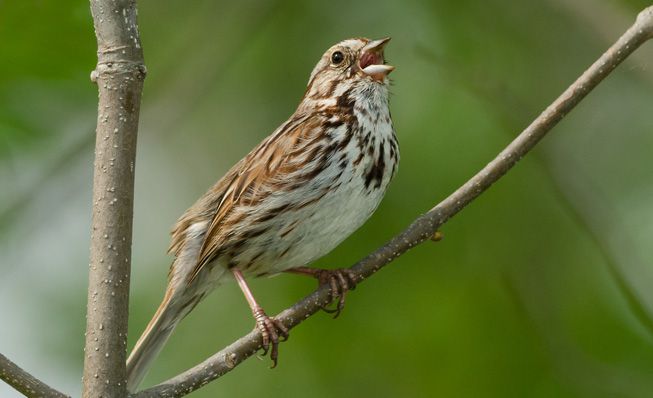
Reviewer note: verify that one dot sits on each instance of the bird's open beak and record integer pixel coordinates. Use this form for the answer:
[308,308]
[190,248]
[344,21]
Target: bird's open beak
[371,60]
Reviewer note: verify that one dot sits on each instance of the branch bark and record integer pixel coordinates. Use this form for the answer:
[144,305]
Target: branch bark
[24,382]
[119,75]
[426,225]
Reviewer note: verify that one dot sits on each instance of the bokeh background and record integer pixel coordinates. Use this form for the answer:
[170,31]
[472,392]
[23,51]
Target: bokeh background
[541,288]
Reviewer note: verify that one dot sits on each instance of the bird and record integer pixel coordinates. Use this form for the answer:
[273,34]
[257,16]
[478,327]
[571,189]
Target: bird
[304,189]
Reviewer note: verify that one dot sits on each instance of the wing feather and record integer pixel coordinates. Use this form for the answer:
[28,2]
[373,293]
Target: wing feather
[274,160]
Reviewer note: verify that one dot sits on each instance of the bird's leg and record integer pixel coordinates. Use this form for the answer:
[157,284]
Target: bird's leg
[340,281]
[271,329]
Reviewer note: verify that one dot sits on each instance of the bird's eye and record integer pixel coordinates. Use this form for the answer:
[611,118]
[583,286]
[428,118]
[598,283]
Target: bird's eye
[337,57]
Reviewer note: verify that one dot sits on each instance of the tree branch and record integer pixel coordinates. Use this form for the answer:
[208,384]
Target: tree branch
[426,225]
[24,382]
[119,75]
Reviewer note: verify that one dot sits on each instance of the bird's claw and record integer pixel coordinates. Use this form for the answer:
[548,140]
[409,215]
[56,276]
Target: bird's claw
[340,281]
[272,332]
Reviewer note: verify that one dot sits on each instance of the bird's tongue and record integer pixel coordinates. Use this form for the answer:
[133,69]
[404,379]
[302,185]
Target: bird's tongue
[370,58]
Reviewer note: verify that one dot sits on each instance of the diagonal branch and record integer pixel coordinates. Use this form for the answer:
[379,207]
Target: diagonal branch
[426,225]
[24,382]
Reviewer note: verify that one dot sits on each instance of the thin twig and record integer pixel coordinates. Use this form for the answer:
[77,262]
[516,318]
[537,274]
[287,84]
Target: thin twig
[426,225]
[24,382]
[119,75]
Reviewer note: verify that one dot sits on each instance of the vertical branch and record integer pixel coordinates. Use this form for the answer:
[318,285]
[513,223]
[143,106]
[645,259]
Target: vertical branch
[119,75]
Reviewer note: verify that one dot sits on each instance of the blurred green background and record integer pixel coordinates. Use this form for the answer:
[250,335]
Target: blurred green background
[541,288]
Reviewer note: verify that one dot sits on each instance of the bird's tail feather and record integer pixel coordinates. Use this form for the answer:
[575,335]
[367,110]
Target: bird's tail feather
[152,340]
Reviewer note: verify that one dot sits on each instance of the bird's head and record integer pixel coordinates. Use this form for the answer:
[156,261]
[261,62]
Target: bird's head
[355,62]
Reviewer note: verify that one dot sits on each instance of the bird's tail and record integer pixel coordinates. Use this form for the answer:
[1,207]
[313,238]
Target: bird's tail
[152,340]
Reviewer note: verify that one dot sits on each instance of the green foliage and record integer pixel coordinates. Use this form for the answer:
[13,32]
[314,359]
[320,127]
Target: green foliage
[541,288]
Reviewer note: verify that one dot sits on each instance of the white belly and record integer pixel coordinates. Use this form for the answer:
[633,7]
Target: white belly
[302,236]
[322,228]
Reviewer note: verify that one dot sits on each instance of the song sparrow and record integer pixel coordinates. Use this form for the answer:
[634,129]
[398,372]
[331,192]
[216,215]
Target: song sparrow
[290,201]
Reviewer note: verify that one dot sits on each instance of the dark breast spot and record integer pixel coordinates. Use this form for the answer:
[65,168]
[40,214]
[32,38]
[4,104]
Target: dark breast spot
[331,124]
[270,214]
[288,229]
[346,103]
[375,173]
[283,253]
[358,159]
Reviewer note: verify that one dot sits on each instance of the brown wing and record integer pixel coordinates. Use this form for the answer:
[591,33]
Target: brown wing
[275,158]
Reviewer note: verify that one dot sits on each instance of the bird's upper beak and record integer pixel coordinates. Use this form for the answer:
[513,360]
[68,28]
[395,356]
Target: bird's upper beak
[371,60]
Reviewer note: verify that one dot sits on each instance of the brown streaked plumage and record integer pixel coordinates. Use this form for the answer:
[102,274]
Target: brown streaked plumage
[291,200]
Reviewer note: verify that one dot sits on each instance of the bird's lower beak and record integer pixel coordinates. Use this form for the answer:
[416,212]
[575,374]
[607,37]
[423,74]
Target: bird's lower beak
[371,60]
